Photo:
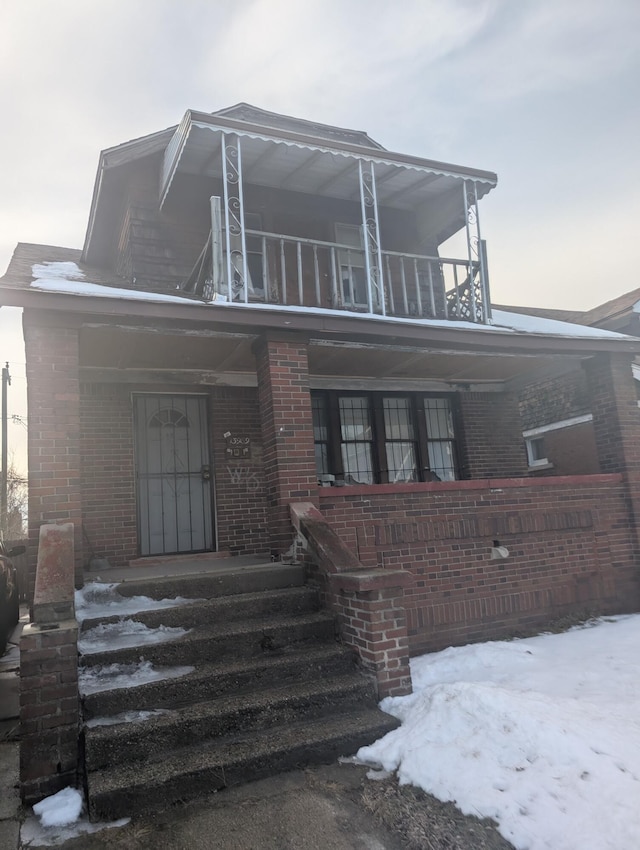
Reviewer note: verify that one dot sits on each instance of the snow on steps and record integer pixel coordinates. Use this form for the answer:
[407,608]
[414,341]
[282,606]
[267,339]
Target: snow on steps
[271,690]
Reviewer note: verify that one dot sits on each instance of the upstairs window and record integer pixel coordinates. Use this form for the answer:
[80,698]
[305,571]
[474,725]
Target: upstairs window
[389,438]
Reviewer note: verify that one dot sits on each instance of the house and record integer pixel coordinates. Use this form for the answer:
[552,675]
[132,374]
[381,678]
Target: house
[262,315]
[264,348]
[556,408]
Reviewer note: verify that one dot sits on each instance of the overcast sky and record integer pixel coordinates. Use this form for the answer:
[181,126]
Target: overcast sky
[544,92]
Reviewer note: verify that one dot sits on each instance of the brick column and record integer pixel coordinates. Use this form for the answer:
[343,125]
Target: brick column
[49,709]
[54,430]
[371,613]
[49,698]
[616,422]
[287,432]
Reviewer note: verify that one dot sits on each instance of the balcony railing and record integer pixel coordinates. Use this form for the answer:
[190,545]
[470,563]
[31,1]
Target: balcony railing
[309,273]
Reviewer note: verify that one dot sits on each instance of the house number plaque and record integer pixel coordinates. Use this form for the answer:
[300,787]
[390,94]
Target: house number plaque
[238,448]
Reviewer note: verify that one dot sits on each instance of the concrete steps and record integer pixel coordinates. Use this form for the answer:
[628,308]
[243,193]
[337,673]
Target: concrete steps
[270,689]
[210,766]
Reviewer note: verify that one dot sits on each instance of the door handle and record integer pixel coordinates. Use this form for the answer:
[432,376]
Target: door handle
[206,472]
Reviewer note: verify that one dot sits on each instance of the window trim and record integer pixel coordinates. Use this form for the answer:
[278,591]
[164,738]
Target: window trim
[531,459]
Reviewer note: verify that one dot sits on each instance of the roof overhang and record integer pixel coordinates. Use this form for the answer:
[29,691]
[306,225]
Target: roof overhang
[294,161]
[320,324]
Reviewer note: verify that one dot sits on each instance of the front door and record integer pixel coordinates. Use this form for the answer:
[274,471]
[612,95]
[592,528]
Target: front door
[172,474]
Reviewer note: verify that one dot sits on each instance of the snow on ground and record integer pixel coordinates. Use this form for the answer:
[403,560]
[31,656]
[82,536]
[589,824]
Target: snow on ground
[542,734]
[101,599]
[58,818]
[108,677]
[125,633]
[127,717]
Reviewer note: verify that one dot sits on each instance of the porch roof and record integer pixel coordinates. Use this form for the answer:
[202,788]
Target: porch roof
[310,164]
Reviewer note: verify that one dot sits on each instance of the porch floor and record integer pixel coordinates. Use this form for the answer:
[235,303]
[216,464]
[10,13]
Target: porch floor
[170,566]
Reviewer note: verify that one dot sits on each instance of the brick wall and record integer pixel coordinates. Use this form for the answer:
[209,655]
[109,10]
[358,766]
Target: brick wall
[554,400]
[570,451]
[49,710]
[490,436]
[570,541]
[54,429]
[239,482]
[287,432]
[108,474]
[49,699]
[108,484]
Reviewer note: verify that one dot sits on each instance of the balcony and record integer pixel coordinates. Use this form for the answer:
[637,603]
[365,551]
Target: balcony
[309,273]
[314,221]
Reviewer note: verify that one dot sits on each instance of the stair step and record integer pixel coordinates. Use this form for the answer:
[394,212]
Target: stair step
[242,639]
[226,609]
[189,772]
[210,681]
[151,739]
[212,584]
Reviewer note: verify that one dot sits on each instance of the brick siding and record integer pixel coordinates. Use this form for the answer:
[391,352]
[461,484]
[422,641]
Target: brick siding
[490,436]
[108,476]
[287,432]
[570,542]
[54,430]
[239,482]
[554,400]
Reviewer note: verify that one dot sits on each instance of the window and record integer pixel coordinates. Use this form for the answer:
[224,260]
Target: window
[440,438]
[253,244]
[536,451]
[353,275]
[392,438]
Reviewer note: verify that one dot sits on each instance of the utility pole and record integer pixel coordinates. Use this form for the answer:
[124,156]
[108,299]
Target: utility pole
[6,380]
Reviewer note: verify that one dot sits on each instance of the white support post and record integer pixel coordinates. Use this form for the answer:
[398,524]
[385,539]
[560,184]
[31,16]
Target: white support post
[217,276]
[470,219]
[237,276]
[371,238]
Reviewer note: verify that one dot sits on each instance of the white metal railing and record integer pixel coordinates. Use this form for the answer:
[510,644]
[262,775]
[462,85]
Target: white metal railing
[304,272]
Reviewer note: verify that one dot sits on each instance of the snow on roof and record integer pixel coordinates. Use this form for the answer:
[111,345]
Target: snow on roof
[67,278]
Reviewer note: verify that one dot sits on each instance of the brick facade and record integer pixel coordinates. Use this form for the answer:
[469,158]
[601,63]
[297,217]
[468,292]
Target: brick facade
[108,474]
[554,399]
[53,396]
[287,432]
[570,540]
[490,441]
[241,514]
[570,451]
[108,483]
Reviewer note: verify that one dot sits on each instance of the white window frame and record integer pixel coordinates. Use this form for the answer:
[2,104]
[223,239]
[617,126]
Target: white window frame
[531,453]
[351,235]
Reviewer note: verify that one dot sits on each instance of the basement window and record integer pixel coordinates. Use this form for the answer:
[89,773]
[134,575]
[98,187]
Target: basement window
[383,438]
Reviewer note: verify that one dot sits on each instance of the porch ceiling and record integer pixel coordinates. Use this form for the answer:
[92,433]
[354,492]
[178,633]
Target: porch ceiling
[130,354]
[313,167]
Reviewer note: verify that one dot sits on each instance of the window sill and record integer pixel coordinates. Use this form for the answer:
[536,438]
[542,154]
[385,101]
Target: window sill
[540,467]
